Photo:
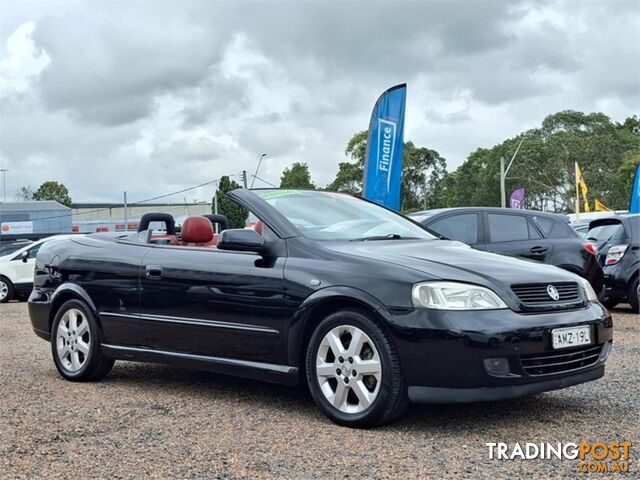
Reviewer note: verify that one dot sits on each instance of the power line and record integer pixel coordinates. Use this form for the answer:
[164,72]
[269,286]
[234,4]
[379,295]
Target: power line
[262,180]
[138,202]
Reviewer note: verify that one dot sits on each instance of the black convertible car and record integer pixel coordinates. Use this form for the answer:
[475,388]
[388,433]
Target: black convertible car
[364,305]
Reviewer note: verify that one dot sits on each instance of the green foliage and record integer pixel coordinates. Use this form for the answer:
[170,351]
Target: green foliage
[51,190]
[422,172]
[622,180]
[235,213]
[297,176]
[349,177]
[418,163]
[606,152]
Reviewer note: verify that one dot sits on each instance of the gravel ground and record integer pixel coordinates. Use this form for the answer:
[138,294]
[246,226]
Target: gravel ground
[156,421]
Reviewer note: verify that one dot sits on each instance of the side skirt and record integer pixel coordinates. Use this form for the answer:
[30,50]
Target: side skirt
[267,372]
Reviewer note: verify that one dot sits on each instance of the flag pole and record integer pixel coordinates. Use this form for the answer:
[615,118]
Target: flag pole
[577,193]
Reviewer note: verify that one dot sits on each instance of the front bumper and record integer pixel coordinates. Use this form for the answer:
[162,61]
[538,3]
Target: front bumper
[443,352]
[436,395]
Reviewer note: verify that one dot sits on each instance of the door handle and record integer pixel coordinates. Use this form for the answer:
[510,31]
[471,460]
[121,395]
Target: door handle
[538,250]
[153,272]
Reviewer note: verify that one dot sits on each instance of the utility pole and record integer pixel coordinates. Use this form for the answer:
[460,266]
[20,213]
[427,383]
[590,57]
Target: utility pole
[4,183]
[257,168]
[575,170]
[503,175]
[126,213]
[503,191]
[215,203]
[244,178]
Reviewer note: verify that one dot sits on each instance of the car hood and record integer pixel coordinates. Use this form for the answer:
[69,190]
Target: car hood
[455,261]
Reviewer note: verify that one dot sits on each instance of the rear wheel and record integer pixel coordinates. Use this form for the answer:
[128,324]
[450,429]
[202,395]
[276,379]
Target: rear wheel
[353,371]
[75,344]
[610,302]
[6,290]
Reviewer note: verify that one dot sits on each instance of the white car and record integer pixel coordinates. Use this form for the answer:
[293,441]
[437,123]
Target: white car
[16,269]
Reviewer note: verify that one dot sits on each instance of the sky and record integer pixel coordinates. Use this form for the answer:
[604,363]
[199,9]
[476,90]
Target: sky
[156,96]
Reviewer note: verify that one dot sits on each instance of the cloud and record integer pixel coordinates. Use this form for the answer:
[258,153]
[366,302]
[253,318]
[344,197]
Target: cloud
[23,62]
[151,97]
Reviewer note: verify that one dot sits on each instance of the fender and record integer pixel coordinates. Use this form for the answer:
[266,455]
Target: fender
[75,290]
[326,297]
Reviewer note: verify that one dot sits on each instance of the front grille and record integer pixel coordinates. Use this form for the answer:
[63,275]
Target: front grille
[557,362]
[537,293]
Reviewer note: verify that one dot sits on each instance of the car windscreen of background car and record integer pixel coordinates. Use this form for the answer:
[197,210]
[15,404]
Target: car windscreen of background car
[335,216]
[601,234]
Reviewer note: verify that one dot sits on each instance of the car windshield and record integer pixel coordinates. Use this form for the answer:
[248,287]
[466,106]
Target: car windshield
[601,234]
[8,249]
[336,216]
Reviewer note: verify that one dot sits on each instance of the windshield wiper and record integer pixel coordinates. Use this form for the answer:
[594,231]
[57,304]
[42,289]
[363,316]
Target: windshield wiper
[391,236]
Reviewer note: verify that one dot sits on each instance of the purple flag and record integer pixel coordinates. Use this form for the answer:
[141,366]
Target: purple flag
[516,200]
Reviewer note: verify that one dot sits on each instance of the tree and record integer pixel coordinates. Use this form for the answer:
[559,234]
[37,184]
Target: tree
[422,172]
[349,177]
[24,194]
[51,190]
[545,164]
[297,176]
[236,215]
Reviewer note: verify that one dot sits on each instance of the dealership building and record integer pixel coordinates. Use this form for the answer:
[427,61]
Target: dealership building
[33,219]
[38,219]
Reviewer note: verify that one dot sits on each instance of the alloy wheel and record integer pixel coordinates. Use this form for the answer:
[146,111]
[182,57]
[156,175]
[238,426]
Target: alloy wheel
[4,290]
[73,340]
[348,369]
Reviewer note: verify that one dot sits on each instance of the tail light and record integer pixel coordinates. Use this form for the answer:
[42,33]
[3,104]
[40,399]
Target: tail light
[615,253]
[590,247]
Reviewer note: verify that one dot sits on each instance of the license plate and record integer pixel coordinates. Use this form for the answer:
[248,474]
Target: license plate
[571,337]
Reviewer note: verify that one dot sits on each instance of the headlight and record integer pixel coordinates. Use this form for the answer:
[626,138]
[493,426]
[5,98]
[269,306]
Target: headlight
[588,290]
[455,296]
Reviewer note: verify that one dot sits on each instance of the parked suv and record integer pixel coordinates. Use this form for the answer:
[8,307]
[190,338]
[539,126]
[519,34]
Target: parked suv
[618,242]
[540,236]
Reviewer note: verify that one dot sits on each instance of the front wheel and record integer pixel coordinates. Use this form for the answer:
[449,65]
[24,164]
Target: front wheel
[353,371]
[75,344]
[6,290]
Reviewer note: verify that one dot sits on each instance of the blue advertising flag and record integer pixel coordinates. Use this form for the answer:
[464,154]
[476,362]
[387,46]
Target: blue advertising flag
[634,203]
[383,160]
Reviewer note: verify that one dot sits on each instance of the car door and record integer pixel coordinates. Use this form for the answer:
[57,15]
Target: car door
[212,302]
[23,264]
[515,235]
[463,227]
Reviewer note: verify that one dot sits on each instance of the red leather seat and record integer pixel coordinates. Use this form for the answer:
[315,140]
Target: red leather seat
[197,232]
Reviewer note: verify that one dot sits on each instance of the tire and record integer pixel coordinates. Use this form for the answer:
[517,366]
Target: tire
[363,400]
[610,302]
[7,292]
[75,347]
[634,295]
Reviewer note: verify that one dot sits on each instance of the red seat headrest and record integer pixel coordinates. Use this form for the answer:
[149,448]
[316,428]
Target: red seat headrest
[197,230]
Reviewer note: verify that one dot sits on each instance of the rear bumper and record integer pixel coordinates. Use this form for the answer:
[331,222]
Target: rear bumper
[436,395]
[39,313]
[617,279]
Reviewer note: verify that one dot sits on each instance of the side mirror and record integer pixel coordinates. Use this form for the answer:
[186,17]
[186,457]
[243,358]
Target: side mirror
[24,256]
[241,240]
